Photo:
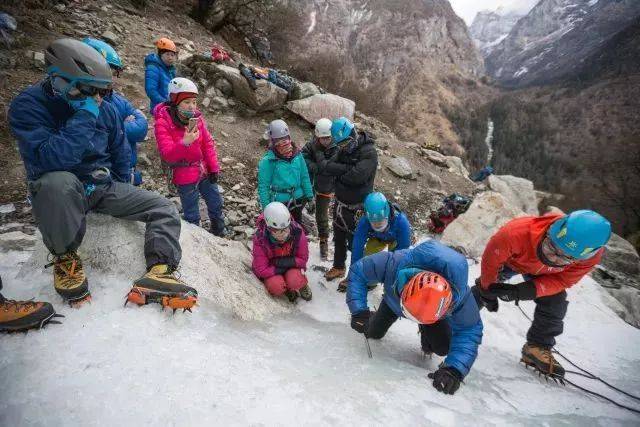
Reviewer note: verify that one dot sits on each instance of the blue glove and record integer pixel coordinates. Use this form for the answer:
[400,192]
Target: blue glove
[88,104]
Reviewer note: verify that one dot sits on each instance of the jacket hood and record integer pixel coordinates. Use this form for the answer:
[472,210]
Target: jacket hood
[364,138]
[272,155]
[153,58]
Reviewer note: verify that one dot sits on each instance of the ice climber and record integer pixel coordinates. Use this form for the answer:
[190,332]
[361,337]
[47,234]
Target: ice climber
[315,153]
[354,166]
[282,172]
[159,71]
[552,253]
[77,160]
[428,285]
[280,253]
[134,122]
[383,226]
[185,144]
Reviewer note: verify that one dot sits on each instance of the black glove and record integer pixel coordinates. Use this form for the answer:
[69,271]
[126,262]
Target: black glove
[213,177]
[491,303]
[506,292]
[446,379]
[360,321]
[285,262]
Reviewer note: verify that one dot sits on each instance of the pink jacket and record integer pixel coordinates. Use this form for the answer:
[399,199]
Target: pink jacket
[265,252]
[189,164]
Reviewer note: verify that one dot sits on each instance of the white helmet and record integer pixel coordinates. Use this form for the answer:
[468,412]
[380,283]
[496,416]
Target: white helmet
[180,84]
[277,215]
[323,128]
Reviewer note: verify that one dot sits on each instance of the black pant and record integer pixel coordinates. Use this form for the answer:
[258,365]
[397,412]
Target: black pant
[548,319]
[434,338]
[322,215]
[295,209]
[343,227]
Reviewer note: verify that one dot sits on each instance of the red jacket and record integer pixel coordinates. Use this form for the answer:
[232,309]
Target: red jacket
[189,164]
[515,245]
[265,252]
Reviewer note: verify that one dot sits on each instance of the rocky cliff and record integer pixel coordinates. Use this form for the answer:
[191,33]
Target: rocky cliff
[489,28]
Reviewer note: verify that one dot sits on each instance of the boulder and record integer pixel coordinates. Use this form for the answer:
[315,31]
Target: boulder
[400,166]
[473,229]
[456,166]
[219,269]
[224,86]
[111,38]
[266,97]
[518,191]
[303,90]
[326,105]
[621,257]
[435,158]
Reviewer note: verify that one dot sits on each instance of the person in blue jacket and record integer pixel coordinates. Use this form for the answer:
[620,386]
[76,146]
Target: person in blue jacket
[159,71]
[77,160]
[427,284]
[383,226]
[135,123]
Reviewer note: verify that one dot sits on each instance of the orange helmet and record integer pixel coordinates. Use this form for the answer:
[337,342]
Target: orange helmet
[426,298]
[166,44]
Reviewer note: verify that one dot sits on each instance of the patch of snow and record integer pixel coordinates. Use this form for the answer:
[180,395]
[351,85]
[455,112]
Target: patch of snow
[593,2]
[7,208]
[520,72]
[312,25]
[488,140]
[114,365]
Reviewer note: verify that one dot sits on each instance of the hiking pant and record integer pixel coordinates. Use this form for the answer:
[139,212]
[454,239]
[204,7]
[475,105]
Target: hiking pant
[60,206]
[293,280]
[548,317]
[322,215]
[374,246]
[343,227]
[434,338]
[190,196]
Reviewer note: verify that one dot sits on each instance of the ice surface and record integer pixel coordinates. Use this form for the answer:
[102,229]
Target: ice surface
[108,365]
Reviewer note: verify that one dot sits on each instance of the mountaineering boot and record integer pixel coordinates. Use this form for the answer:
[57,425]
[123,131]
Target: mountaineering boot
[540,358]
[291,295]
[69,279]
[335,273]
[342,286]
[324,249]
[161,285]
[18,316]
[305,293]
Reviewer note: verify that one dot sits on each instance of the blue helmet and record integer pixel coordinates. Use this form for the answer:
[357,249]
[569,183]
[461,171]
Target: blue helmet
[580,234]
[106,51]
[341,129]
[376,207]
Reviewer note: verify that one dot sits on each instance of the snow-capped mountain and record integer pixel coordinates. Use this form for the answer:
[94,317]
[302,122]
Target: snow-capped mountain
[489,28]
[554,37]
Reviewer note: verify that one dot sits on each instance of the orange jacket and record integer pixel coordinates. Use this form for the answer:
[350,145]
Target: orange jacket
[515,245]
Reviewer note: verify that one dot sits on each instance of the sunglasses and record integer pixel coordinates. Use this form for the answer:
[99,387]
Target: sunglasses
[556,252]
[92,90]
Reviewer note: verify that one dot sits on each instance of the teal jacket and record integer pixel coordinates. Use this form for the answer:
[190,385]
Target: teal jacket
[281,180]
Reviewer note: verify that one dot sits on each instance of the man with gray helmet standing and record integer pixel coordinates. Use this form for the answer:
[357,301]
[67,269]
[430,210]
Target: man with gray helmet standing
[77,160]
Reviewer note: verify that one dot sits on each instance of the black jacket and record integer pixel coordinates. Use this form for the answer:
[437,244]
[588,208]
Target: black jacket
[355,171]
[315,156]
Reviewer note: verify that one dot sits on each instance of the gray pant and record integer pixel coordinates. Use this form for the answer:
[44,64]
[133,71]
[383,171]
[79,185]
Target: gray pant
[60,207]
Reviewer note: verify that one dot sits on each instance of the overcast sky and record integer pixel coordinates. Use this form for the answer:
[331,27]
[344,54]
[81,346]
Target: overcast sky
[467,9]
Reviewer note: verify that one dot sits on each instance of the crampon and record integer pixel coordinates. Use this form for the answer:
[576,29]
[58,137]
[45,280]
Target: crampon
[541,372]
[79,302]
[174,302]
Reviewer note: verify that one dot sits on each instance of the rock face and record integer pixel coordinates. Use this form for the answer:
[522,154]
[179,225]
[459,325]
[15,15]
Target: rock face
[390,56]
[327,105]
[219,269]
[556,37]
[473,229]
[518,191]
[621,257]
[491,27]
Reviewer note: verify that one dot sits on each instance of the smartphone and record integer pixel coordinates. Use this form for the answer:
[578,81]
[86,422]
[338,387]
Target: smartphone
[193,122]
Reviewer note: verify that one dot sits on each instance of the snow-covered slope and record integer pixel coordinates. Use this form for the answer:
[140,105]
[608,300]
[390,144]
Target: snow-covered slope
[114,365]
[489,28]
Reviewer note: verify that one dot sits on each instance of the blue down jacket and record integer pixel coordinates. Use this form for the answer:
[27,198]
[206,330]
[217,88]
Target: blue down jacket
[136,130]
[156,79]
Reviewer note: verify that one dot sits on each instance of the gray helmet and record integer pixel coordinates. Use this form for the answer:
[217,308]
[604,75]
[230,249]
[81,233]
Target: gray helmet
[277,129]
[77,62]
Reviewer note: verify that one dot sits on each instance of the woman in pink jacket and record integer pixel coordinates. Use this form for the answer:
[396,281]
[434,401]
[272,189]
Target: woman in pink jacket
[187,146]
[280,253]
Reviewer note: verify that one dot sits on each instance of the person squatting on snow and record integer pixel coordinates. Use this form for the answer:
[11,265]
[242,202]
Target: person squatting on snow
[134,122]
[187,147]
[426,284]
[280,253]
[159,71]
[354,165]
[315,152]
[282,172]
[552,253]
[383,226]
[77,160]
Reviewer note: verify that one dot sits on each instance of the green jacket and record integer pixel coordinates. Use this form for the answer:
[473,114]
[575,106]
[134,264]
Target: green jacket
[281,180]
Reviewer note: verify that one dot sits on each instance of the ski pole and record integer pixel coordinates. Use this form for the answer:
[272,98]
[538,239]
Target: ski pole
[366,341]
